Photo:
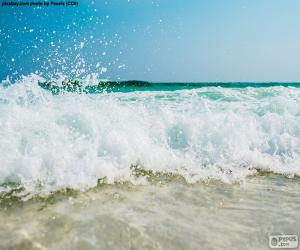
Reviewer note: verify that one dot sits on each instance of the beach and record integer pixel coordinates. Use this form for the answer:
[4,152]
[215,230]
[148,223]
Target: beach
[138,125]
[169,214]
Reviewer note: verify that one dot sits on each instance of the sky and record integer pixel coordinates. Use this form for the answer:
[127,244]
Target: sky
[154,40]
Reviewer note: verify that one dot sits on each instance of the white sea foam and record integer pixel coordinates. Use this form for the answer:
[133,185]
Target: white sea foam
[49,142]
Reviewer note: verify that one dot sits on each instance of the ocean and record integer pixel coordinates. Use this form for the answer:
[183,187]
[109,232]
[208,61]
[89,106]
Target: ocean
[139,165]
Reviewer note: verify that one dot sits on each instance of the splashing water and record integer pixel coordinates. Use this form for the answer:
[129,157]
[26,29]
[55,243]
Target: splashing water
[52,142]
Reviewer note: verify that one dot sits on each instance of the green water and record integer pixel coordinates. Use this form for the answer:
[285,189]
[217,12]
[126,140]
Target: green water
[129,86]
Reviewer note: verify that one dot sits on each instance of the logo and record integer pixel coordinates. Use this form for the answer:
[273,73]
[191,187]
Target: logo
[283,241]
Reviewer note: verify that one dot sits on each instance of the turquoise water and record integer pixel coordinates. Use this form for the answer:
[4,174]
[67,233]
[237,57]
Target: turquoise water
[128,86]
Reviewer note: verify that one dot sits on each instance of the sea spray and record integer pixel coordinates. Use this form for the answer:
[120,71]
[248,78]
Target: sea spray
[52,142]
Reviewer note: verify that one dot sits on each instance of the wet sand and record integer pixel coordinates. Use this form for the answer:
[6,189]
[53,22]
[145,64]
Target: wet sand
[169,215]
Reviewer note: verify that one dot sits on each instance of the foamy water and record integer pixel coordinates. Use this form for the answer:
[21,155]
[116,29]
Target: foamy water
[51,142]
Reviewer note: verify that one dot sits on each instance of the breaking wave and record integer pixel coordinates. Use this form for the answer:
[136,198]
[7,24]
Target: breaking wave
[52,142]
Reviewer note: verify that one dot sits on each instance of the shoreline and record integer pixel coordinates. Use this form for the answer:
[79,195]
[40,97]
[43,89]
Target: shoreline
[172,215]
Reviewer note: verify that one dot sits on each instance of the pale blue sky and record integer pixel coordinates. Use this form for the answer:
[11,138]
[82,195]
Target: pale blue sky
[159,40]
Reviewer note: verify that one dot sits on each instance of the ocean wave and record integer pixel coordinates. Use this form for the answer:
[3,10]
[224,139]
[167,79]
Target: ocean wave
[52,142]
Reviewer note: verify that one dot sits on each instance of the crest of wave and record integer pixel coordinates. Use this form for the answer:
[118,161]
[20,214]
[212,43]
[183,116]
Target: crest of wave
[48,143]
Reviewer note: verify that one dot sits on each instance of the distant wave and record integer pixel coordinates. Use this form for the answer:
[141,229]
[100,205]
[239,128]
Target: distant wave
[51,142]
[136,85]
